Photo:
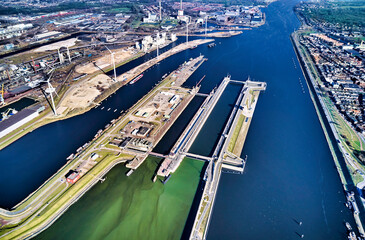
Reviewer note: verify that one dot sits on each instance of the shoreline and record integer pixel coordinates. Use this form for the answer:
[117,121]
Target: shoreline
[49,204]
[332,145]
[45,118]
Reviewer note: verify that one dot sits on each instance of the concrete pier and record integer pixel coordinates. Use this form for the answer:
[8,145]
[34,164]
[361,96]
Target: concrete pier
[223,157]
[178,152]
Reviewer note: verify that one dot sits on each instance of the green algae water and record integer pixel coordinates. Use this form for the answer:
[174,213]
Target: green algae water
[132,207]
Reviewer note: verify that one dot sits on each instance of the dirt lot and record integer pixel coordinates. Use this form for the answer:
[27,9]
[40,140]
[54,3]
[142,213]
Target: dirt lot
[54,46]
[82,94]
[105,61]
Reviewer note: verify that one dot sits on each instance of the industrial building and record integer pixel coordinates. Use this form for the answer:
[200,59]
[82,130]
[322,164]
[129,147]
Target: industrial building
[19,119]
[47,35]
[14,30]
[72,176]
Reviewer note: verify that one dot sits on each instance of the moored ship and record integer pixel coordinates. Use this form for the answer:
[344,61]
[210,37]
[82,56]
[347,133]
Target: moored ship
[136,79]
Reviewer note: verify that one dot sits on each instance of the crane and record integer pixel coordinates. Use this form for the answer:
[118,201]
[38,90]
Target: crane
[2,100]
[7,113]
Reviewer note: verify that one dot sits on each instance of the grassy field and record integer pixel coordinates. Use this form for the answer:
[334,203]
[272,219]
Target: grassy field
[349,13]
[232,142]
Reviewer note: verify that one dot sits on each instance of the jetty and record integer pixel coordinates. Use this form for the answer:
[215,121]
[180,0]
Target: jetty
[224,156]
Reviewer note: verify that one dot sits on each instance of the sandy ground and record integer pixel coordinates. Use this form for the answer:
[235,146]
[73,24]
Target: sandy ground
[143,67]
[120,55]
[216,34]
[54,46]
[81,95]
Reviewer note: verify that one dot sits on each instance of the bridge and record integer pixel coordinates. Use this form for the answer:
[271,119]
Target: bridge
[202,94]
[197,157]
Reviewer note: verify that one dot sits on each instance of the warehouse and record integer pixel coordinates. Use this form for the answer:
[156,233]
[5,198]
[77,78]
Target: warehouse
[17,120]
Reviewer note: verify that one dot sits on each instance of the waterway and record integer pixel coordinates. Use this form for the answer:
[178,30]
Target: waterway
[38,155]
[290,175]
[132,207]
[18,105]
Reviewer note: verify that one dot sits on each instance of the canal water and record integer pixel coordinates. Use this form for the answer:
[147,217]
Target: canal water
[38,155]
[18,105]
[290,174]
[132,207]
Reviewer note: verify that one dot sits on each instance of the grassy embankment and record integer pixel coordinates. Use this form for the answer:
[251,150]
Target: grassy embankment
[132,207]
[348,137]
[63,200]
[232,142]
[304,55]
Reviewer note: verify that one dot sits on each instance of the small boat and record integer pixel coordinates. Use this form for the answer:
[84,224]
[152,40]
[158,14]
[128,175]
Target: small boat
[102,108]
[351,236]
[115,110]
[129,172]
[108,109]
[348,226]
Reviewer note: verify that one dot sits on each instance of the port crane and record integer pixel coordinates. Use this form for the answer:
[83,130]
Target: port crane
[2,100]
[8,113]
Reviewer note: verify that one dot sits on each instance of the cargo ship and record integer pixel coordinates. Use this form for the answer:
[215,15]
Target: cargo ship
[136,79]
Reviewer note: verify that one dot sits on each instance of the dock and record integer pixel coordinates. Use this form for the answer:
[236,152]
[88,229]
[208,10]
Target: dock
[223,157]
[183,144]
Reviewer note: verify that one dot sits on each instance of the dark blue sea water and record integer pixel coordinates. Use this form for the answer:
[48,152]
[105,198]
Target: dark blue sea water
[290,174]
